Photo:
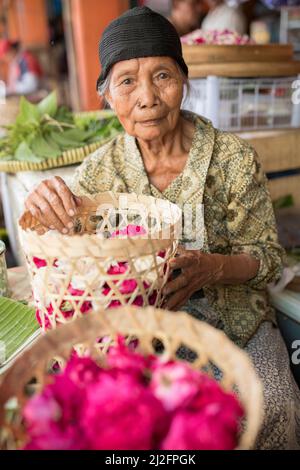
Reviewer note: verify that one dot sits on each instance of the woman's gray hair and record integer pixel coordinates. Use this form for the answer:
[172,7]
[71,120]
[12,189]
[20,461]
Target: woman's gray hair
[103,88]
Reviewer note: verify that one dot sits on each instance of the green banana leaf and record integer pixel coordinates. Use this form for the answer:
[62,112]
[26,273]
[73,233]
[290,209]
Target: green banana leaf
[18,326]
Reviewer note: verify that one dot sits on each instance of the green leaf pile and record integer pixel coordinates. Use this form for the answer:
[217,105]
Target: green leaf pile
[46,130]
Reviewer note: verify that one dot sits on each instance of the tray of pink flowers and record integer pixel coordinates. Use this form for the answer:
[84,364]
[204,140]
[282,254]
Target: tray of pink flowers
[131,379]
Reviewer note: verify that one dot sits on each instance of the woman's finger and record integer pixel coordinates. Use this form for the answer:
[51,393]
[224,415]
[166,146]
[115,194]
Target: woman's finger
[48,192]
[176,284]
[36,213]
[28,204]
[42,210]
[65,195]
[177,300]
[180,262]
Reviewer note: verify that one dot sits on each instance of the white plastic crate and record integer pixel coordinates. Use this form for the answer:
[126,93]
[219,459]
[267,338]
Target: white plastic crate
[244,103]
[289,31]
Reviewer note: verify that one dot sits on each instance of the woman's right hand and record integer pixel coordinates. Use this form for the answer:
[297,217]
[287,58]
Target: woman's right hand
[53,204]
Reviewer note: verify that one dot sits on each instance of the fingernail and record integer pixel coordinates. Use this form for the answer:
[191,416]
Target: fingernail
[65,230]
[71,213]
[70,225]
[52,227]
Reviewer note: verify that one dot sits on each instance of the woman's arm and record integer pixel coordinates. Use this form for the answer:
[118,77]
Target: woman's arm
[250,221]
[233,269]
[206,269]
[256,255]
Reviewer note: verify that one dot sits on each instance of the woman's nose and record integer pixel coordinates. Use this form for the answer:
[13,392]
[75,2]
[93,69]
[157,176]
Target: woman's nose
[148,97]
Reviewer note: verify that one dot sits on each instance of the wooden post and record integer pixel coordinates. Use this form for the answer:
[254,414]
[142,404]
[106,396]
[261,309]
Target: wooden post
[89,19]
[27,22]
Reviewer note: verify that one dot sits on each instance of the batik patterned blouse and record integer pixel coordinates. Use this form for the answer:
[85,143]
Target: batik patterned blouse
[224,174]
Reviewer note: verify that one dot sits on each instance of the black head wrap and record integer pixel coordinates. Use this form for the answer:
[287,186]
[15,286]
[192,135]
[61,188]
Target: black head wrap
[140,32]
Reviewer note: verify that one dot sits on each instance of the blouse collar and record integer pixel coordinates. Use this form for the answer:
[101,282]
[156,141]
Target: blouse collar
[182,188]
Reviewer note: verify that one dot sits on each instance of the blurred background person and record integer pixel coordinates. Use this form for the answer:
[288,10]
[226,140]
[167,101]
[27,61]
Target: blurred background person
[224,15]
[186,15]
[24,71]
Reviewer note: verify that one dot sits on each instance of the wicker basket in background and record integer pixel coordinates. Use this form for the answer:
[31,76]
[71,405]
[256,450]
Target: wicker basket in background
[86,271]
[69,157]
[211,348]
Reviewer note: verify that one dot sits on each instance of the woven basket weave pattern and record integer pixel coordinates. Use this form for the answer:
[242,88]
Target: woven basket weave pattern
[76,276]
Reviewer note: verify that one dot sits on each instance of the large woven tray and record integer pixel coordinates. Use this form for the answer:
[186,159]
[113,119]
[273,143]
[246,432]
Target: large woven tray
[212,53]
[211,347]
[268,60]
[69,157]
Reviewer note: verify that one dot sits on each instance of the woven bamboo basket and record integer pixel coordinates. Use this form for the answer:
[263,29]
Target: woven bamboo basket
[87,270]
[211,348]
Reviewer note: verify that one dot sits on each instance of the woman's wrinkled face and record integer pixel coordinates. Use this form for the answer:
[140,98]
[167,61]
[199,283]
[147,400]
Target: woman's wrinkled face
[146,94]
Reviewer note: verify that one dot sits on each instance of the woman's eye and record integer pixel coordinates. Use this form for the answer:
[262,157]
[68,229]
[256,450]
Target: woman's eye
[163,76]
[127,81]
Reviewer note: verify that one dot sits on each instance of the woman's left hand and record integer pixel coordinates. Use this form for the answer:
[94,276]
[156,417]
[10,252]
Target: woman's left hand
[197,270]
[206,269]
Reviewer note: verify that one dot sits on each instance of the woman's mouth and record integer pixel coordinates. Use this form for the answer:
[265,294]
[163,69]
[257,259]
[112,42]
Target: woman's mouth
[151,122]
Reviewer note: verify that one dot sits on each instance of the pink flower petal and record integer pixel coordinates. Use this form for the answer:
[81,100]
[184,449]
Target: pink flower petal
[40,263]
[120,268]
[75,292]
[130,231]
[128,286]
[138,301]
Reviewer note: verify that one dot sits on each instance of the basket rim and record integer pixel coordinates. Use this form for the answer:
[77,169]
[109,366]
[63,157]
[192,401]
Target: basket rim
[33,243]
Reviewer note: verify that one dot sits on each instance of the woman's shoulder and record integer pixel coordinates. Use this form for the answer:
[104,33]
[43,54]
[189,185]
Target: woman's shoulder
[232,150]
[107,150]
[97,169]
[225,142]
[236,159]
[228,149]
[228,138]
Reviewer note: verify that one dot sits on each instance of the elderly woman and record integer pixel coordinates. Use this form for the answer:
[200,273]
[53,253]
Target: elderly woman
[179,156]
